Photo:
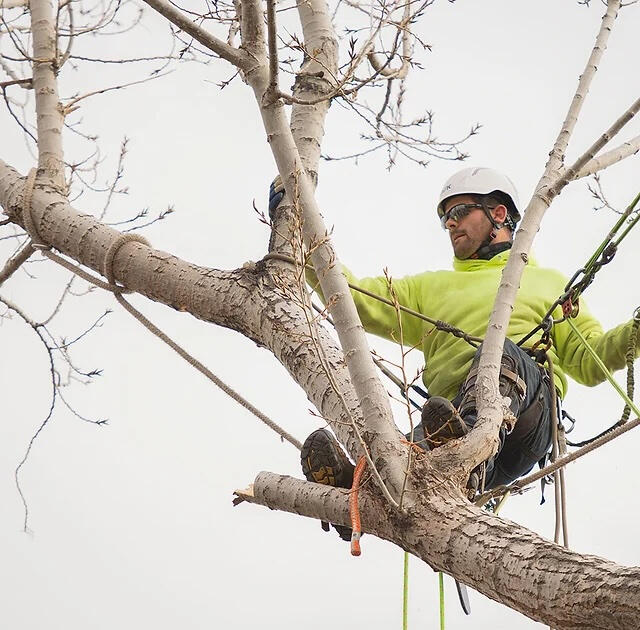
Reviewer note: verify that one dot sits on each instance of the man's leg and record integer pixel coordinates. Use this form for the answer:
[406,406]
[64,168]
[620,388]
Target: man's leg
[524,382]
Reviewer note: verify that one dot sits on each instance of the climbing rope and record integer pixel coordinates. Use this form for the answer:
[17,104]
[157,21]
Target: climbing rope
[405,591]
[603,368]
[558,450]
[437,323]
[122,240]
[629,358]
[518,486]
[119,291]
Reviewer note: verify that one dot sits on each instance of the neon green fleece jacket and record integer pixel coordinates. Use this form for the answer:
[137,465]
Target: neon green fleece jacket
[464,297]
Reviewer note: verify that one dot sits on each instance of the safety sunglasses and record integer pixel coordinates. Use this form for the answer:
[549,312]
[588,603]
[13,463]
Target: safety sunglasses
[458,212]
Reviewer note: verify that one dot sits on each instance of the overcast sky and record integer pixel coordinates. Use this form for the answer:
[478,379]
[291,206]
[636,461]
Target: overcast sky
[131,525]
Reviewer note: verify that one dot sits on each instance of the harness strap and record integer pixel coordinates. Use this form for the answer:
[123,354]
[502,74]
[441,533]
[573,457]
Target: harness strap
[507,373]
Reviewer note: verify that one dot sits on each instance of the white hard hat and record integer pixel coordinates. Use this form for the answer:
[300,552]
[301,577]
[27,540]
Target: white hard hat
[481,181]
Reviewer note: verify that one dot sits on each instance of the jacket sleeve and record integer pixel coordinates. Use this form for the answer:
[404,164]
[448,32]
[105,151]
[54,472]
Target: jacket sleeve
[610,346]
[379,318]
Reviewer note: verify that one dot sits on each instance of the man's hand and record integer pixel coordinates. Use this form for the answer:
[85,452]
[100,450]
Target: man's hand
[276,193]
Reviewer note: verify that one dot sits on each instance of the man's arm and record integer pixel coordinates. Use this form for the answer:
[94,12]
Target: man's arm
[379,318]
[610,346]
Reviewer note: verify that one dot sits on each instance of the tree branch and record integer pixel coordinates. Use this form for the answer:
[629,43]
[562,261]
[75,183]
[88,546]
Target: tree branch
[599,163]
[570,173]
[560,147]
[49,118]
[244,299]
[13,264]
[490,404]
[496,557]
[273,48]
[383,438]
[234,56]
[314,500]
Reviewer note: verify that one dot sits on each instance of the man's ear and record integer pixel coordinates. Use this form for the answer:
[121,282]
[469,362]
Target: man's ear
[499,213]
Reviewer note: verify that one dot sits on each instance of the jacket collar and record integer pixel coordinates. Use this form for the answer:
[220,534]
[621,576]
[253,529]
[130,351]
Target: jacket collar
[477,264]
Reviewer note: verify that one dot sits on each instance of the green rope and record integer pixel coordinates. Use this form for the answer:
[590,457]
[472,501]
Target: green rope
[614,230]
[630,358]
[405,592]
[604,369]
[441,588]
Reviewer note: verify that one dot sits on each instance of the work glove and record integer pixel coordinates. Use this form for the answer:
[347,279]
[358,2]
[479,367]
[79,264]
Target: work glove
[276,193]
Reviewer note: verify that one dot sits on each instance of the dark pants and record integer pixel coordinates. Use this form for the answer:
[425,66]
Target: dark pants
[531,438]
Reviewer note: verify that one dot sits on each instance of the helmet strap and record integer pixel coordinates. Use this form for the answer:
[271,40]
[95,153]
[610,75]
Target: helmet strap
[495,228]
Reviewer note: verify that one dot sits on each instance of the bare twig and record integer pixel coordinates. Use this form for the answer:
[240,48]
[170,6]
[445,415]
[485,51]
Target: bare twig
[273,48]
[72,105]
[18,311]
[14,263]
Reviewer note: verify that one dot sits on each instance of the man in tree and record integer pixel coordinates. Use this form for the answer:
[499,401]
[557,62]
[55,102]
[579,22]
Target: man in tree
[479,208]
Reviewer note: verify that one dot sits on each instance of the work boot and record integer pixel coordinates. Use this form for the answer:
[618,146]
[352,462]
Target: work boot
[441,422]
[323,461]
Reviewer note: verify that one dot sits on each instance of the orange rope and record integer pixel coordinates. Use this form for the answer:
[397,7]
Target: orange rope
[354,512]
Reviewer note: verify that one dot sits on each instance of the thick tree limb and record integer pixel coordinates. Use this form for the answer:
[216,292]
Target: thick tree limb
[383,438]
[244,299]
[496,557]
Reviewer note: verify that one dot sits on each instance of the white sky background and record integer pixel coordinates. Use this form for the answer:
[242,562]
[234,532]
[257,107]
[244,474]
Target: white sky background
[131,524]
